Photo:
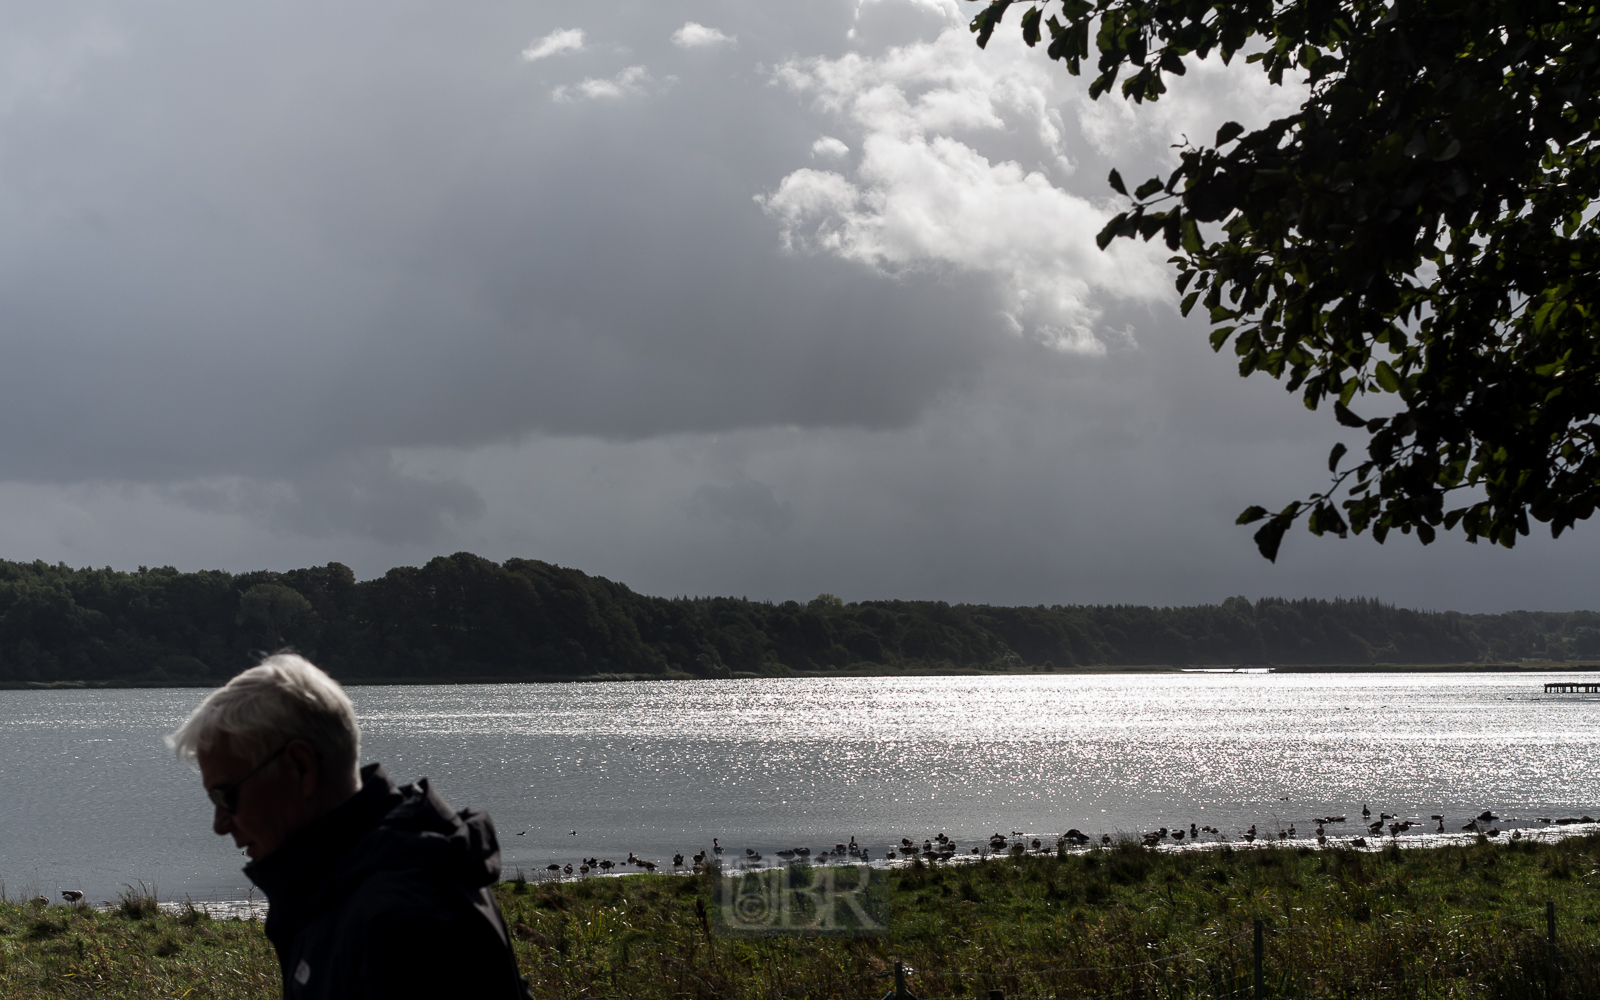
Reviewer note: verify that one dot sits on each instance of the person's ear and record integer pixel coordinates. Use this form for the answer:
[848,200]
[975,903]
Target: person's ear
[305,767]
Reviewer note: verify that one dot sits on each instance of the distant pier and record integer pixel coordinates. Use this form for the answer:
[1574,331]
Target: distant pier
[1572,687]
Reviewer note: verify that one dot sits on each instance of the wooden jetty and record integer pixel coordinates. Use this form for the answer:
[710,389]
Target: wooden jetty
[1572,687]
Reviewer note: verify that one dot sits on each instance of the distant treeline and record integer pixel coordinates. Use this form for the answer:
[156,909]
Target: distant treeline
[463,616]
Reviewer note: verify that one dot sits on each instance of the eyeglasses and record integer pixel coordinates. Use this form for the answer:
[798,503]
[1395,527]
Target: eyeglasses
[226,797]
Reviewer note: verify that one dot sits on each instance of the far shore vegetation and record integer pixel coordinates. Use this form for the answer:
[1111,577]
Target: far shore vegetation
[1460,921]
[462,618]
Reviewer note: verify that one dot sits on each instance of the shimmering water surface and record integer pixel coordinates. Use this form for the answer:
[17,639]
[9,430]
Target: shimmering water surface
[93,800]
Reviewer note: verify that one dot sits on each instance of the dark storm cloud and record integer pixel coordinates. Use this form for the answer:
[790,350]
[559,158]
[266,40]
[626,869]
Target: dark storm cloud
[243,243]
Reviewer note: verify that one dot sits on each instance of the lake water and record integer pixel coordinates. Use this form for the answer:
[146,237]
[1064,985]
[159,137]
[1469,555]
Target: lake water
[94,800]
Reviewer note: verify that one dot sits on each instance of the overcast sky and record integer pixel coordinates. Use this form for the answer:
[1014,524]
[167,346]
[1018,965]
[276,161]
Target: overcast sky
[760,299]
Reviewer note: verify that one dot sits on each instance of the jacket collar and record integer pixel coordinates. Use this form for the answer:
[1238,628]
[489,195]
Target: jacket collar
[293,876]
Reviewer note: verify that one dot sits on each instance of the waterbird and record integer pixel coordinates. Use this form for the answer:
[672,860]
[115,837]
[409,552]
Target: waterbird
[568,868]
[1487,815]
[608,864]
[522,833]
[716,847]
[552,867]
[583,869]
[1365,811]
[1359,842]
[1105,838]
[677,860]
[41,900]
[71,895]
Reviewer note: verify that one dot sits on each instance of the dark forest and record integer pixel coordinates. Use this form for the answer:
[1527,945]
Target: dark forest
[462,616]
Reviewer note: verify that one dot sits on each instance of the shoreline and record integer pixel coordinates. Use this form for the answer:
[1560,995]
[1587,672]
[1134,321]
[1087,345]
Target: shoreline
[255,908]
[1092,671]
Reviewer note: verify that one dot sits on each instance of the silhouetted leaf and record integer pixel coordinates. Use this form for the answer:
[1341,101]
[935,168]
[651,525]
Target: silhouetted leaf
[1251,515]
[1229,132]
[1342,413]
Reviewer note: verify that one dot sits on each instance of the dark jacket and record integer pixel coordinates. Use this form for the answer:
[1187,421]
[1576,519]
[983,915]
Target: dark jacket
[387,896]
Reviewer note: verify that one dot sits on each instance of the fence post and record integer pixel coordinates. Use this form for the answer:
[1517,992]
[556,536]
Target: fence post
[1550,953]
[899,992]
[1261,989]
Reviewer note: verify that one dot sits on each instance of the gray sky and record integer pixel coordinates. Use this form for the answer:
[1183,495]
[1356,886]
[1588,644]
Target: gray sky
[759,299]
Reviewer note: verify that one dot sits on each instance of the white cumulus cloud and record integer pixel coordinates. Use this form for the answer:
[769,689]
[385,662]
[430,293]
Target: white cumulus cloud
[555,43]
[829,146]
[698,36]
[634,81]
[923,197]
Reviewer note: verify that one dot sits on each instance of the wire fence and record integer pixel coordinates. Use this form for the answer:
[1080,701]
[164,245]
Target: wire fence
[1512,955]
[1521,955]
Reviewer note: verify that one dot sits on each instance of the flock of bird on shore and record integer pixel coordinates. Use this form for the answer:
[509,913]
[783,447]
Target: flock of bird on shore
[941,847]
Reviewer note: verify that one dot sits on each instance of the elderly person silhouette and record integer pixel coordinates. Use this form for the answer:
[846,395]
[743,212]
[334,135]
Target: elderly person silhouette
[373,890]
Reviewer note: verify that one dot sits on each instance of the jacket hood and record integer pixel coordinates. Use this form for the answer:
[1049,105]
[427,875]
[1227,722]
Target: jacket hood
[422,832]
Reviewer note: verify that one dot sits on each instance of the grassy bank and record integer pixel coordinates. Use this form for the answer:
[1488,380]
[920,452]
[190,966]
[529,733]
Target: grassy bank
[1463,921]
[132,950]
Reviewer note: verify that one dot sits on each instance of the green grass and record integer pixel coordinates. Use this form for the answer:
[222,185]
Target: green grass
[1446,922]
[133,950]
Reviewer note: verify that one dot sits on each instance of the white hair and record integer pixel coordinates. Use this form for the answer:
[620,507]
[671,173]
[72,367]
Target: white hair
[284,698]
